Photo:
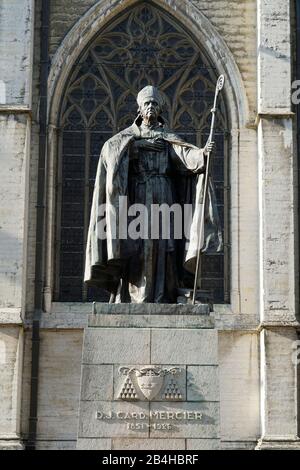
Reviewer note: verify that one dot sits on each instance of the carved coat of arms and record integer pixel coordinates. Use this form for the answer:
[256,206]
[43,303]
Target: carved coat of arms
[148,382]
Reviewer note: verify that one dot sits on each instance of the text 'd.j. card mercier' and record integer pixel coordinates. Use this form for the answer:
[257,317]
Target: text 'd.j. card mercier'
[160,420]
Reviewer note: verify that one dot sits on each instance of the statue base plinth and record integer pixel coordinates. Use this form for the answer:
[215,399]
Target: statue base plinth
[149,378]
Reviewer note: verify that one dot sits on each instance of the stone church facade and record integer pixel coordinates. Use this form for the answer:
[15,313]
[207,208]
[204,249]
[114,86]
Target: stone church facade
[69,73]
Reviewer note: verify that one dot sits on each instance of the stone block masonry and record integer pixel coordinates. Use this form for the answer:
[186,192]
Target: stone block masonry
[119,404]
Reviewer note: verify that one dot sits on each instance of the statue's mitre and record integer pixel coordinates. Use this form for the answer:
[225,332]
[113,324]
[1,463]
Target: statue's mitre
[150,92]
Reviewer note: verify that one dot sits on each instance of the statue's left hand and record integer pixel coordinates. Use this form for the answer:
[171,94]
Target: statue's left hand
[209,147]
[154,145]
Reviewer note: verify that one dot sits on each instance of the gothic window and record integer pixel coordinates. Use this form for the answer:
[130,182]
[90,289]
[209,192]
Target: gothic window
[142,46]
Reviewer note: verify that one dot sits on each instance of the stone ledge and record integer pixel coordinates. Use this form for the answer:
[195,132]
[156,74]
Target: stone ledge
[15,109]
[136,443]
[70,318]
[10,316]
[274,113]
[283,323]
[74,315]
[235,322]
[150,309]
[278,444]
[238,445]
[87,308]
[11,444]
[150,321]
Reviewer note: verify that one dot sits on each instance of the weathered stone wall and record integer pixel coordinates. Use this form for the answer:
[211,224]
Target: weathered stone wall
[236,21]
[239,386]
[15,52]
[63,16]
[11,354]
[59,386]
[16,33]
[278,226]
[14,137]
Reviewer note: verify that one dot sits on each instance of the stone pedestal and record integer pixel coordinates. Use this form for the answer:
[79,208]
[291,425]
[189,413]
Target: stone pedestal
[149,378]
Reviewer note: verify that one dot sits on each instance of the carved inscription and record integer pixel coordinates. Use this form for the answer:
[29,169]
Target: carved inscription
[139,421]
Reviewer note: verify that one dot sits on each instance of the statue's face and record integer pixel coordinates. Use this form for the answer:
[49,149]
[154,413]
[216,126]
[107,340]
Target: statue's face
[150,109]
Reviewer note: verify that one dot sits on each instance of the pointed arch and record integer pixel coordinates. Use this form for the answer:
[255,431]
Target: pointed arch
[103,11]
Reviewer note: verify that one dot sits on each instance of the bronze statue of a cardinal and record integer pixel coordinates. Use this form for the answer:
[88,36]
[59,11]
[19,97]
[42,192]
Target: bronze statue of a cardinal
[139,167]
